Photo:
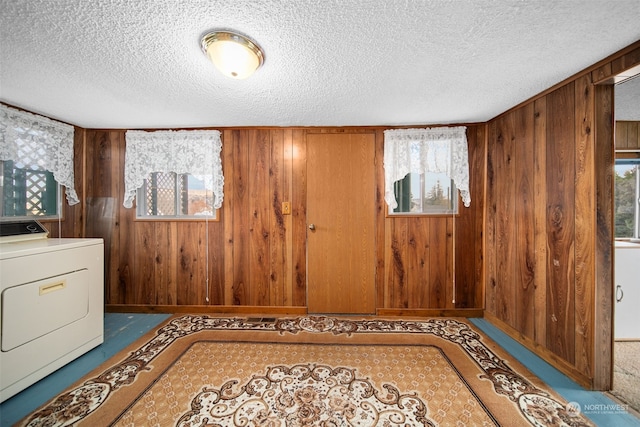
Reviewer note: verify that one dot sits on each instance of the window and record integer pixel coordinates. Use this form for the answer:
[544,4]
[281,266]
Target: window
[174,174]
[627,199]
[36,159]
[425,193]
[28,192]
[171,195]
[425,169]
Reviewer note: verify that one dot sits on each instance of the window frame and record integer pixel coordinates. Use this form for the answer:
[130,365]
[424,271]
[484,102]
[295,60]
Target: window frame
[620,161]
[451,211]
[178,201]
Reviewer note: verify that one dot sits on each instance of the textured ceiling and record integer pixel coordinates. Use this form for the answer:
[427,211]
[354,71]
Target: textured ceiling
[138,64]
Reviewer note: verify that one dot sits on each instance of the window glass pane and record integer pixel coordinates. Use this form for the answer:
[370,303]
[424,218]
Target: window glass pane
[440,194]
[161,193]
[199,199]
[627,193]
[429,193]
[28,191]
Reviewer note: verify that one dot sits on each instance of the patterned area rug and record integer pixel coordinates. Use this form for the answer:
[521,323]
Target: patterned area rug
[310,371]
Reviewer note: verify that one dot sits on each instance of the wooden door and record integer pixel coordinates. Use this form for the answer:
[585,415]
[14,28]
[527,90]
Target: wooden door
[340,220]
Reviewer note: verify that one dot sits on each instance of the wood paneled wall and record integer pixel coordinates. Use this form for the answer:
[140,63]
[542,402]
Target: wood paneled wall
[549,225]
[540,245]
[256,255]
[627,135]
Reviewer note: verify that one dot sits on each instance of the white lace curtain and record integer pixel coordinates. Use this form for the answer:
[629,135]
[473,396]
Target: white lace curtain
[196,152]
[439,150]
[39,143]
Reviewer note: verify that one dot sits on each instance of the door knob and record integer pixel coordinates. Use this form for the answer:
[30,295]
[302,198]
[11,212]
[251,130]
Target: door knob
[312,227]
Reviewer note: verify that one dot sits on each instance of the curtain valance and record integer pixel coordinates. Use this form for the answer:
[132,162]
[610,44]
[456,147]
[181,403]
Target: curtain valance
[40,143]
[196,152]
[439,150]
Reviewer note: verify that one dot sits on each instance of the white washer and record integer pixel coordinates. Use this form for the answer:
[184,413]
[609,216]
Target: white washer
[51,307]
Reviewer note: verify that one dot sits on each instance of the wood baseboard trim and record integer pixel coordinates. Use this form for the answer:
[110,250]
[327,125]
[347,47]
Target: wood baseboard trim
[428,312]
[218,309]
[554,360]
[283,310]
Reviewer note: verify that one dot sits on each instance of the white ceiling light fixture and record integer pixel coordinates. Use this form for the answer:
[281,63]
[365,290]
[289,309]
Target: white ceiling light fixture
[235,55]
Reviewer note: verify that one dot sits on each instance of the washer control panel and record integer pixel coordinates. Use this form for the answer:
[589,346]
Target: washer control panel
[16,231]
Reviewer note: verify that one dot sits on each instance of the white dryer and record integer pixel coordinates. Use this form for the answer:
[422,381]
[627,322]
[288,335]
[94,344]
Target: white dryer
[51,306]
